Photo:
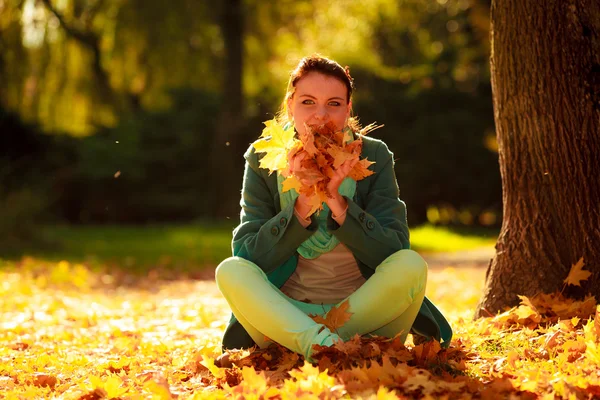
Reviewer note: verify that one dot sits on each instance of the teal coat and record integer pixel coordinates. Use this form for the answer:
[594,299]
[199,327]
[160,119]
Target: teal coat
[375,227]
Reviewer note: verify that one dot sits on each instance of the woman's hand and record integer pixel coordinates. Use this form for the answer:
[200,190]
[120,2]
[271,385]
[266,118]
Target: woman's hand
[302,206]
[337,204]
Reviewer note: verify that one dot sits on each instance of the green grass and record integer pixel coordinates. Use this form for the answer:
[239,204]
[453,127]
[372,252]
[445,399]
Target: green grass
[429,238]
[137,247]
[194,245]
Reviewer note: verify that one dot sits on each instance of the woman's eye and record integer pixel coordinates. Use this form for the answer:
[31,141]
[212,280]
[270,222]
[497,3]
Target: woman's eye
[334,103]
[308,102]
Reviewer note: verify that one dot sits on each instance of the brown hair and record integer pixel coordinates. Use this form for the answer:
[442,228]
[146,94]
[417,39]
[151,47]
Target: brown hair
[322,65]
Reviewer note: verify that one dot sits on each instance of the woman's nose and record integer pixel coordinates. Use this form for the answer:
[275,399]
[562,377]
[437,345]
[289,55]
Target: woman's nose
[321,113]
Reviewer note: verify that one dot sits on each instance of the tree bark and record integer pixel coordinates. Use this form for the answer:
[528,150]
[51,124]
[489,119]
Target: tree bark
[545,68]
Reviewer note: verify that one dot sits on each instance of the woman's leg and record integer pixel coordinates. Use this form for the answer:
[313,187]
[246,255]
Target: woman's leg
[389,301]
[263,310]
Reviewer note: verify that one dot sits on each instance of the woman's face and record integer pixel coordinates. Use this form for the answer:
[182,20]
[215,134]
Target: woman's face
[317,100]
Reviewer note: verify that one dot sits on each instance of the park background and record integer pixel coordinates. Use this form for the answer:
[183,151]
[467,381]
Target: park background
[122,129]
[121,114]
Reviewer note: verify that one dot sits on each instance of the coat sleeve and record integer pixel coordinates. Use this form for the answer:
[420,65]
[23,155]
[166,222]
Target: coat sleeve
[263,236]
[381,229]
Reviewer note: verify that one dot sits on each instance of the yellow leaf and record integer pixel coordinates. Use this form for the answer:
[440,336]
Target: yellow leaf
[96,382]
[308,378]
[512,357]
[158,390]
[528,385]
[577,274]
[209,363]
[291,182]
[592,352]
[316,202]
[525,312]
[276,142]
[597,321]
[113,388]
[527,302]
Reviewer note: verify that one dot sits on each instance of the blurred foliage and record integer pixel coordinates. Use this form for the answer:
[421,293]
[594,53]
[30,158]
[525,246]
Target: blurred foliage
[24,193]
[150,167]
[127,96]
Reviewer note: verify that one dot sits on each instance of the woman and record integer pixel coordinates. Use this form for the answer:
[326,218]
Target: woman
[288,263]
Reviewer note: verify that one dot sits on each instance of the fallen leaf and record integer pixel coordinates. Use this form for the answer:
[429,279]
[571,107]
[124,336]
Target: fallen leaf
[577,274]
[19,346]
[336,317]
[41,379]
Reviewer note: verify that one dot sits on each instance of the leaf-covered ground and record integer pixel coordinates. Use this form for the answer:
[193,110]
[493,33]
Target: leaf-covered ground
[68,332]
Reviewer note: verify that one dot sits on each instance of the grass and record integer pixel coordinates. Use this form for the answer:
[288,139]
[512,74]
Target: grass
[190,246]
[430,238]
[137,247]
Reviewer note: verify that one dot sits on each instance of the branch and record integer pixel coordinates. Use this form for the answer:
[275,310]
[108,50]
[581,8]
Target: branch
[91,41]
[91,11]
[87,38]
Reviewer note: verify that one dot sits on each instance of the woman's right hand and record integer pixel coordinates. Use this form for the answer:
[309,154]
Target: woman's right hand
[302,206]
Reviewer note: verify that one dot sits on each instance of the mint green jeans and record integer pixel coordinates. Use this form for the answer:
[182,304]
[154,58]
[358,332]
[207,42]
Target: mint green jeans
[385,305]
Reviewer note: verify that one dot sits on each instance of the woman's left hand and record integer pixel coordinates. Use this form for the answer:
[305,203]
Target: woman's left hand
[337,204]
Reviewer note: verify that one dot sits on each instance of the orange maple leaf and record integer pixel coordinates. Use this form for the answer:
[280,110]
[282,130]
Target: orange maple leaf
[339,155]
[361,170]
[577,274]
[335,318]
[315,201]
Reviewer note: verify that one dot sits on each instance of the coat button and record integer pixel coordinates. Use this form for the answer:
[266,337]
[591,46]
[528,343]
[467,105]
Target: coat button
[283,222]
[361,217]
[370,224]
[275,230]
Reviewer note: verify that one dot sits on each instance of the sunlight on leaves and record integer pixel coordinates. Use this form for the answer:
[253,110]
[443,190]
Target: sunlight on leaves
[158,339]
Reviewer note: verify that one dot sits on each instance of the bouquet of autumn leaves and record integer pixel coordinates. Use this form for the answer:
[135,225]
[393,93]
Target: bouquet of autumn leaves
[322,150]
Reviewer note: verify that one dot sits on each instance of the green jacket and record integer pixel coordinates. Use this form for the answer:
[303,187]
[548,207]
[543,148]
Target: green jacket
[375,227]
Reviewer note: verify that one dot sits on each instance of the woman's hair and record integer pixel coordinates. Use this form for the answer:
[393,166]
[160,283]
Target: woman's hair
[322,65]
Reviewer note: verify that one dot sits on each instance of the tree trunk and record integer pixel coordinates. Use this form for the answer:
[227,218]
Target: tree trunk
[545,68]
[227,150]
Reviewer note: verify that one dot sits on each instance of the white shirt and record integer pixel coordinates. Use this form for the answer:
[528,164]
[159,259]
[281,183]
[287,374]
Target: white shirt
[327,279]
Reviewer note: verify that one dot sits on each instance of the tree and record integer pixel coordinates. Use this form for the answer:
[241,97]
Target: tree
[545,69]
[82,31]
[232,117]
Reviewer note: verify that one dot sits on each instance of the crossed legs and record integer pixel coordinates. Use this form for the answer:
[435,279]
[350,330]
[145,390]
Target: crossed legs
[386,304]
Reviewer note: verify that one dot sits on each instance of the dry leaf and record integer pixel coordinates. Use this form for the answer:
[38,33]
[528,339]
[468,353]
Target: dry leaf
[41,379]
[335,318]
[320,151]
[361,170]
[577,274]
